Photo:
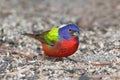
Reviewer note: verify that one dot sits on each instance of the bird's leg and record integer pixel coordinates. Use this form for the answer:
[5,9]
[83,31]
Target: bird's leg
[54,59]
[72,59]
[58,59]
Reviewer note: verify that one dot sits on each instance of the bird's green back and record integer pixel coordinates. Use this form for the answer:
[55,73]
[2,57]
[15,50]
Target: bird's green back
[52,36]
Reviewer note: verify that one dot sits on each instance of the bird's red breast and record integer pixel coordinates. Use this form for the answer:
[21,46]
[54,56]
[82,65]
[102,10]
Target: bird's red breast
[62,48]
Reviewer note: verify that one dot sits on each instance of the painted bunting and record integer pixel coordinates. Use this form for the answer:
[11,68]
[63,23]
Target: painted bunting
[59,42]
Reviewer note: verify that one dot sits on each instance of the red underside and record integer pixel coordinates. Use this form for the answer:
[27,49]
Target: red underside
[61,49]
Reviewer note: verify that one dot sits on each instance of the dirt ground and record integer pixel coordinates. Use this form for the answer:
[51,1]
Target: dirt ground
[97,58]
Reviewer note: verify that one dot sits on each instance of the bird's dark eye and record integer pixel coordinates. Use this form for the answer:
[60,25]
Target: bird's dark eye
[69,30]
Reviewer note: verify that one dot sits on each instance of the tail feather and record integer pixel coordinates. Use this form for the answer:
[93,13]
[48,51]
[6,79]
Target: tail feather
[36,36]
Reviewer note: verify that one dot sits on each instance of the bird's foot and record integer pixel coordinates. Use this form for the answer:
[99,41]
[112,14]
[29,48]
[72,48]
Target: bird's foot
[58,59]
[71,59]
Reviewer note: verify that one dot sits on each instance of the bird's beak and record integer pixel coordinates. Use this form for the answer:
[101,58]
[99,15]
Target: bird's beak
[75,33]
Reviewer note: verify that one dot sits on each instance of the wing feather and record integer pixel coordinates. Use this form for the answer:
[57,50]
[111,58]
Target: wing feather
[48,37]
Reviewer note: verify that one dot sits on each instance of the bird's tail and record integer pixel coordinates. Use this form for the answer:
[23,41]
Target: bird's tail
[36,36]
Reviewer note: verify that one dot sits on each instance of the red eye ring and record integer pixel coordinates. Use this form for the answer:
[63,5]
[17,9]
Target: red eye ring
[69,30]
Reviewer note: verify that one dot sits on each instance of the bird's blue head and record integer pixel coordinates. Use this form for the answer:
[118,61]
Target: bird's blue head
[68,31]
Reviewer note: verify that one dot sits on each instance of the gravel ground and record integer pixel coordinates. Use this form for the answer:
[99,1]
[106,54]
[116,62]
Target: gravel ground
[98,56]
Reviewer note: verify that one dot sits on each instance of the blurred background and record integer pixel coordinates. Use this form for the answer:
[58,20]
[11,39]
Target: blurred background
[85,13]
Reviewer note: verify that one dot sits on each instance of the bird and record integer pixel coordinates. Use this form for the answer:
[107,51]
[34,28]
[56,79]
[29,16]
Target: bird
[59,42]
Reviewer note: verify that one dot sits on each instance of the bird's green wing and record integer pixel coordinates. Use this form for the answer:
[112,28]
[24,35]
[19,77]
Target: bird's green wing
[52,36]
[49,37]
